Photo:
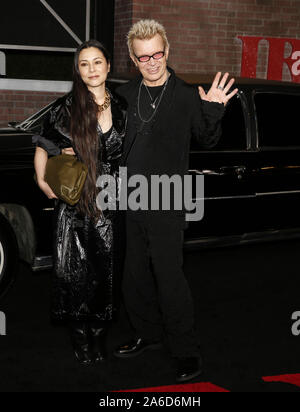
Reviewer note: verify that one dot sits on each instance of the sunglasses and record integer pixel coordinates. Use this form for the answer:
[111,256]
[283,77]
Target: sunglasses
[156,56]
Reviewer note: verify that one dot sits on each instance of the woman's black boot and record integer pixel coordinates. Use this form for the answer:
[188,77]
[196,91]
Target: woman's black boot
[98,341]
[80,341]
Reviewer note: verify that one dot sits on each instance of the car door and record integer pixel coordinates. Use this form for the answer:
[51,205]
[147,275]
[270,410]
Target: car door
[277,175]
[228,190]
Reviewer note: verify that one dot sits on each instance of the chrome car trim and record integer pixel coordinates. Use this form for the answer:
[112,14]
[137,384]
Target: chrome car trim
[224,197]
[1,261]
[246,238]
[284,192]
[248,196]
[42,263]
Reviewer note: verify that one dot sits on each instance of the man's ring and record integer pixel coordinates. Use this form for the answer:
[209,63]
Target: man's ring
[220,87]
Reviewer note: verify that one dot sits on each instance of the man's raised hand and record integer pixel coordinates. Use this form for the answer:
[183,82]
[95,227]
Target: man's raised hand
[219,89]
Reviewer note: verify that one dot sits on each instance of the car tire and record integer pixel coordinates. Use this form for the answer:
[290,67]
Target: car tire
[9,256]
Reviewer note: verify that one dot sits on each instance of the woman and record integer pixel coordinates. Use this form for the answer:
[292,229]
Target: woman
[89,122]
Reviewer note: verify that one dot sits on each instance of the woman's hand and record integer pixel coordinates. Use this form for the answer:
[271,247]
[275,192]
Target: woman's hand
[218,92]
[68,150]
[40,161]
[43,185]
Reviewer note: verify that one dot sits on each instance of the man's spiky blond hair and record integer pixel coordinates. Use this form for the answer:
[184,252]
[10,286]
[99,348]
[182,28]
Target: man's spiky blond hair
[146,29]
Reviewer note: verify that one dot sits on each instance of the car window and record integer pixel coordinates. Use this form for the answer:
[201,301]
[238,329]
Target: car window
[233,128]
[277,115]
[34,122]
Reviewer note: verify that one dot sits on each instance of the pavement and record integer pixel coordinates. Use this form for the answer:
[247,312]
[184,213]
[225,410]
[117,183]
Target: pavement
[244,300]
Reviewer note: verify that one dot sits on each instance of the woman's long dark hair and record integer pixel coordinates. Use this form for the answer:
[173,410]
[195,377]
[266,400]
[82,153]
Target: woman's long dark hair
[84,122]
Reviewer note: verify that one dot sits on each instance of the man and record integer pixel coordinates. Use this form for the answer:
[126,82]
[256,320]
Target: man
[164,113]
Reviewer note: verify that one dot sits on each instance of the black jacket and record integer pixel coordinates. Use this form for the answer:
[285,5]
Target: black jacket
[182,115]
[54,134]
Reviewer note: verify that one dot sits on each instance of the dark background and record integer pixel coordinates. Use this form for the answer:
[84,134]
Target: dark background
[29,23]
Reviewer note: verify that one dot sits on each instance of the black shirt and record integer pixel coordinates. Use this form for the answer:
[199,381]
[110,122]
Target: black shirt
[145,107]
[144,122]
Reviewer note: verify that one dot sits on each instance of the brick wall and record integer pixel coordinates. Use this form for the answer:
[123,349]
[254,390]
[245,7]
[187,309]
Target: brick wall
[203,37]
[123,21]
[17,105]
[202,33]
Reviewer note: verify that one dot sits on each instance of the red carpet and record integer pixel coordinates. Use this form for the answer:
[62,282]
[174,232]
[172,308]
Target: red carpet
[188,387]
[293,379]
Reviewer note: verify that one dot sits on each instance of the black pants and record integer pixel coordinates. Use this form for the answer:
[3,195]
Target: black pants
[157,295]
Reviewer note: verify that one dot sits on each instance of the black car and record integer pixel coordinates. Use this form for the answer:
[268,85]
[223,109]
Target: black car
[251,178]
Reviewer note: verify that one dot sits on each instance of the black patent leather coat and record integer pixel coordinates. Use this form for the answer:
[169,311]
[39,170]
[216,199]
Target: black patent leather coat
[87,255]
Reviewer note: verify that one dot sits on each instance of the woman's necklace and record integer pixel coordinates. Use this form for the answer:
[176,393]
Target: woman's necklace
[106,103]
[155,107]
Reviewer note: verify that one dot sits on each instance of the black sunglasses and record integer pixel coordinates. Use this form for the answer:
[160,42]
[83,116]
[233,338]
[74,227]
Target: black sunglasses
[156,56]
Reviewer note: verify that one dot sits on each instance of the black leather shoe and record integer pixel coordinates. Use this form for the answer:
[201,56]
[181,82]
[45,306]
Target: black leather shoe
[80,342]
[136,347]
[188,368]
[98,343]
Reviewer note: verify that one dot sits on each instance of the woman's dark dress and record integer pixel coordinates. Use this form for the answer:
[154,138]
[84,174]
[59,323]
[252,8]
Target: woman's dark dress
[84,252]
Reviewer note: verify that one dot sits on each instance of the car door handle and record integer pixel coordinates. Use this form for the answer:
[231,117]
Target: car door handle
[222,171]
[239,170]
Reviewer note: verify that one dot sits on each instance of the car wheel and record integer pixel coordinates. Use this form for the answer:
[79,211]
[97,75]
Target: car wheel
[8,256]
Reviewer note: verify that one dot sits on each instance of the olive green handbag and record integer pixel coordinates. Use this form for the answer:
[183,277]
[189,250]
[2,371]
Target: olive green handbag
[66,176]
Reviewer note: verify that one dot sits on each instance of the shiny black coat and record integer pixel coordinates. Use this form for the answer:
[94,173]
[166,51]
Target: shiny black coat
[85,254]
